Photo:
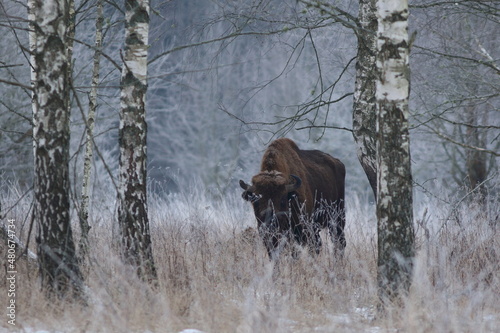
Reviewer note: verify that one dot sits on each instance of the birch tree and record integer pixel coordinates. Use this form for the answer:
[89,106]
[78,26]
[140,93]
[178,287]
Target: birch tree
[394,190]
[132,198]
[364,109]
[89,144]
[59,270]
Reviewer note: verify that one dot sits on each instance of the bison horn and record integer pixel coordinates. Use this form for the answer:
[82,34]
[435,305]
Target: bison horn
[248,194]
[244,185]
[295,184]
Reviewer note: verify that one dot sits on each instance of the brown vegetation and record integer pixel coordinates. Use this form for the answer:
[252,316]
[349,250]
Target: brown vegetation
[215,276]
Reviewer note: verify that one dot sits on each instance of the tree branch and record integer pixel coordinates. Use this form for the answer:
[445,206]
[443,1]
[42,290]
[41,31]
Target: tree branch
[220,39]
[324,126]
[489,64]
[464,145]
[335,12]
[16,84]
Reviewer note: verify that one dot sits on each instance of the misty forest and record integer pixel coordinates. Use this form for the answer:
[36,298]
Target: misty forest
[129,128]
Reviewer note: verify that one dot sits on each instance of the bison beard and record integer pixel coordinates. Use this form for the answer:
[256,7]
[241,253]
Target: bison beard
[295,195]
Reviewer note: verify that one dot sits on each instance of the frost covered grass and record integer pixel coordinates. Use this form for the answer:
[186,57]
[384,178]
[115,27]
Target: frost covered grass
[214,274]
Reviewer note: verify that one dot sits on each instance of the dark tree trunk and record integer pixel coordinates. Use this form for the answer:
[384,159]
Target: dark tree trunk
[476,160]
[364,114]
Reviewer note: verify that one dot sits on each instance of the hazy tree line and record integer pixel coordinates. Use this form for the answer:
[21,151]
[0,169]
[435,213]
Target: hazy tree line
[226,77]
[254,76]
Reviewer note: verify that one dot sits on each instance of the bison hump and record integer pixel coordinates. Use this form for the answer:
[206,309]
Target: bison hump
[280,155]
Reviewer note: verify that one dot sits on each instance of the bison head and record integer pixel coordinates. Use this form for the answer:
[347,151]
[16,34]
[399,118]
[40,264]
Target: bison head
[271,194]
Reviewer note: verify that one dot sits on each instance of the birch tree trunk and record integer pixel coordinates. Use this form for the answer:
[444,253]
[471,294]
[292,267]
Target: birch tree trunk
[394,190]
[364,114]
[59,270]
[132,206]
[87,164]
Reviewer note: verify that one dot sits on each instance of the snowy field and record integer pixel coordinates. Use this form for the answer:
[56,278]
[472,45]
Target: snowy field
[215,275]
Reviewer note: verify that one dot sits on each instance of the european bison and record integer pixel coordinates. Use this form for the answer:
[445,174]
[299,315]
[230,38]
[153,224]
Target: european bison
[296,193]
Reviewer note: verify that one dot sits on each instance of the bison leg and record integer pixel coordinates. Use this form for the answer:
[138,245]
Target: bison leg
[308,234]
[274,241]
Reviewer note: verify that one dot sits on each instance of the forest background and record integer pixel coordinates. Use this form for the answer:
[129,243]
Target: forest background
[225,78]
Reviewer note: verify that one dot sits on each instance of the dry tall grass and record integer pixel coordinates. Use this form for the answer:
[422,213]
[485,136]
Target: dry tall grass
[215,276]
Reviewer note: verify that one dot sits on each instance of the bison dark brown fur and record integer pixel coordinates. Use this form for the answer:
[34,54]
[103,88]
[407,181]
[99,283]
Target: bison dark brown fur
[296,193]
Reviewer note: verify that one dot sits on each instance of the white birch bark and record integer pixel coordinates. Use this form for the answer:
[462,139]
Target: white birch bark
[132,206]
[59,269]
[394,190]
[364,106]
[89,144]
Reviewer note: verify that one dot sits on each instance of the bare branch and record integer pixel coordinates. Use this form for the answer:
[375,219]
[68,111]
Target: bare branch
[9,66]
[323,126]
[466,124]
[104,54]
[488,63]
[16,84]
[337,14]
[447,138]
[220,39]
[457,204]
